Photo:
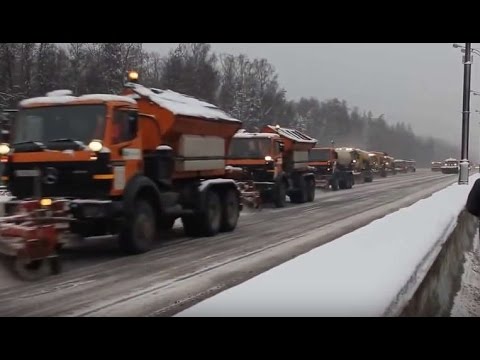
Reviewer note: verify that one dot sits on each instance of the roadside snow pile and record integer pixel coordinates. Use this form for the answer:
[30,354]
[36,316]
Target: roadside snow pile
[359,274]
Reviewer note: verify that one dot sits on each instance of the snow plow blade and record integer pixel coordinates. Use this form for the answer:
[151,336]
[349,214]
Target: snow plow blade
[250,196]
[29,238]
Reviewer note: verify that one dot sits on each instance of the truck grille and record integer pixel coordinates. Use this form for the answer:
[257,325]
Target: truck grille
[58,179]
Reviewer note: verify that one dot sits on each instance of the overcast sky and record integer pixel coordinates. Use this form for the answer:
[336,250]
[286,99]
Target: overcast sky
[420,84]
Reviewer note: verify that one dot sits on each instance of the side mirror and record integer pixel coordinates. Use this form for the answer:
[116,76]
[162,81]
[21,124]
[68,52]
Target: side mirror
[281,147]
[133,123]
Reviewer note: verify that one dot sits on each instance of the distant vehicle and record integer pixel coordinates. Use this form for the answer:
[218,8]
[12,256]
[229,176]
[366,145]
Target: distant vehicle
[332,169]
[450,166]
[400,166]
[6,118]
[411,165]
[436,166]
[390,165]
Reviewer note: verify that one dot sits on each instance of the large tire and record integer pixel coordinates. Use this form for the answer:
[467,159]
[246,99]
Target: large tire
[279,194]
[230,211]
[208,221]
[166,223]
[342,184]
[335,185]
[28,270]
[310,190]
[349,183]
[300,196]
[140,233]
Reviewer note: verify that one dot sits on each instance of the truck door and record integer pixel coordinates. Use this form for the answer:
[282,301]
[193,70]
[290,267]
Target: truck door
[126,148]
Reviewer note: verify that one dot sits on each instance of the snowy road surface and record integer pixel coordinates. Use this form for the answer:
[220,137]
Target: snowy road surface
[97,281]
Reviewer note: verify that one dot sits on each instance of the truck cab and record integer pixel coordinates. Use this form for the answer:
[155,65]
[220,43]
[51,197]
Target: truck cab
[259,155]
[84,147]
[323,160]
[411,165]
[276,161]
[450,166]
[400,166]
[378,162]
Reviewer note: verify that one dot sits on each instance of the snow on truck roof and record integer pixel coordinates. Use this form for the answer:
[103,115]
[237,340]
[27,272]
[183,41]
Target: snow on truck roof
[293,134]
[247,135]
[180,104]
[59,97]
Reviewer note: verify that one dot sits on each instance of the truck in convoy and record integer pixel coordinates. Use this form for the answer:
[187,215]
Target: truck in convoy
[390,165]
[126,165]
[276,161]
[378,161]
[411,165]
[331,169]
[359,161]
[400,166]
[450,166]
[436,166]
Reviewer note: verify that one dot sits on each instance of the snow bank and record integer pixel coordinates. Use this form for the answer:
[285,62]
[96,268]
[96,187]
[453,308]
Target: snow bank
[358,274]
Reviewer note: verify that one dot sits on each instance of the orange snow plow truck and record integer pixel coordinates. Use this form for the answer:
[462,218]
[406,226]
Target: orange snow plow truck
[275,160]
[126,165]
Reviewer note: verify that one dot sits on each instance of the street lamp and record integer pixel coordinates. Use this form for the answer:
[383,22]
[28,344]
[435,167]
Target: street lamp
[472,50]
[467,72]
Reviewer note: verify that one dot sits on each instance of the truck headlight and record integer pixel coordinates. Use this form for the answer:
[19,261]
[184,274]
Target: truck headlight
[4,149]
[268,158]
[95,145]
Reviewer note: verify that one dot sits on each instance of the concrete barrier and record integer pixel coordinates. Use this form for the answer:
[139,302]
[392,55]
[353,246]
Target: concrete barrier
[438,287]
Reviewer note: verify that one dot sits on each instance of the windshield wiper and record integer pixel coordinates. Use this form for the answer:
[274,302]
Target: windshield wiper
[28,142]
[28,146]
[65,140]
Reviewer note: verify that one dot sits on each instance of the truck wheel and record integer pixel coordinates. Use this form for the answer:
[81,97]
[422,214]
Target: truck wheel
[166,223]
[207,222]
[279,194]
[300,196]
[310,190]
[28,270]
[335,185]
[140,233]
[342,184]
[230,211]
[349,184]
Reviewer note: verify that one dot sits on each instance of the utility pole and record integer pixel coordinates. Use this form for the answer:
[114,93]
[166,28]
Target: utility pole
[467,71]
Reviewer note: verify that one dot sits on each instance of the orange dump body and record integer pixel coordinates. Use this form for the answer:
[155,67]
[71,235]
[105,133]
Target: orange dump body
[198,133]
[293,140]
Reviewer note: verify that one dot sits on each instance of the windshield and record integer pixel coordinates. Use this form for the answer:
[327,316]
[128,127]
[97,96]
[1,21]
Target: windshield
[76,122]
[249,148]
[320,155]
